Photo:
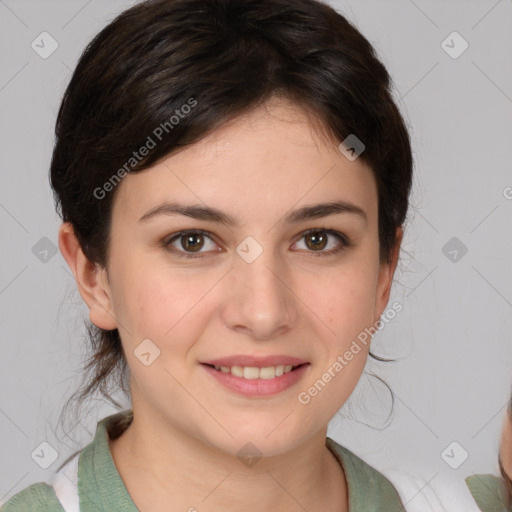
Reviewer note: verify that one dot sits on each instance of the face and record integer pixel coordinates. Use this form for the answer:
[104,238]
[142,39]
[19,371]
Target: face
[506,445]
[276,287]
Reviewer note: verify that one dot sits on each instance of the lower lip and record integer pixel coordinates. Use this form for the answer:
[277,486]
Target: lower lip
[258,387]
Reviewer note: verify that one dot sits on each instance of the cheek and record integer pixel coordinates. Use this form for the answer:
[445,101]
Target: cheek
[152,300]
[160,306]
[344,300]
[343,350]
[167,307]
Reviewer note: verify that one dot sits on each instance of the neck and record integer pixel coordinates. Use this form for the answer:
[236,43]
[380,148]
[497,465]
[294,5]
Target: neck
[163,468]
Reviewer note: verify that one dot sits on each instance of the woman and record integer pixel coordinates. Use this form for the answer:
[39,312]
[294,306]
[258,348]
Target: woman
[233,178]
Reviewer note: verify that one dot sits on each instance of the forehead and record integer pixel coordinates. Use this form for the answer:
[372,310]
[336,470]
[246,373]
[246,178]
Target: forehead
[260,164]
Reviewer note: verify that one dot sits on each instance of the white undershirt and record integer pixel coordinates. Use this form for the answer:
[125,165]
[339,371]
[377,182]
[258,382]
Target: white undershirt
[65,483]
[441,494]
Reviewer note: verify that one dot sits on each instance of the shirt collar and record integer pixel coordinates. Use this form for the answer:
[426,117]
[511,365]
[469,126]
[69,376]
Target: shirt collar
[101,488]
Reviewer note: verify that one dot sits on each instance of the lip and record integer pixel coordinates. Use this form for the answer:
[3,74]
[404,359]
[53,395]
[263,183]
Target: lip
[259,362]
[257,387]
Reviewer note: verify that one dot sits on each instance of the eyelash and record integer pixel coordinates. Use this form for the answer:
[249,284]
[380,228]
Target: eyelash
[345,242]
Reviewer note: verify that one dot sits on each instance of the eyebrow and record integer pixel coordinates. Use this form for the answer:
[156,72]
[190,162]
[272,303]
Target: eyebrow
[200,212]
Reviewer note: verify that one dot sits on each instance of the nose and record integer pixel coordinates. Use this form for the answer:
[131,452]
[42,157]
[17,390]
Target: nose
[260,302]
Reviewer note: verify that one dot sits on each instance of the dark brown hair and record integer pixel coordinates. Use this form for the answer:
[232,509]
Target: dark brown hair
[227,56]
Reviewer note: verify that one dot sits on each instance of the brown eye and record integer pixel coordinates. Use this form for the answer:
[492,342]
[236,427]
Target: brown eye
[190,244]
[316,240]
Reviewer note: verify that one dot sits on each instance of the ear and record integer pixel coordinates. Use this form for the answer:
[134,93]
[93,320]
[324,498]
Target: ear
[386,273]
[91,279]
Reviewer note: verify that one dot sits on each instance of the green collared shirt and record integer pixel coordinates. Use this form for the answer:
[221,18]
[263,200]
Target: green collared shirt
[101,489]
[489,493]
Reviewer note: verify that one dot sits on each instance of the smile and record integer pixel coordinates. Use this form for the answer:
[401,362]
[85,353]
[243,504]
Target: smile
[253,372]
[256,381]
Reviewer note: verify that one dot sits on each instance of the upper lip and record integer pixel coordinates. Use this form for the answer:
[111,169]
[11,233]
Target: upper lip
[259,362]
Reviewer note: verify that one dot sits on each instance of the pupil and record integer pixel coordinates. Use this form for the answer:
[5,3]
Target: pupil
[315,237]
[189,242]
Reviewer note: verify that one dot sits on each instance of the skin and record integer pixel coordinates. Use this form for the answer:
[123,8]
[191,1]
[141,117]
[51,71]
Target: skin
[181,449]
[506,445]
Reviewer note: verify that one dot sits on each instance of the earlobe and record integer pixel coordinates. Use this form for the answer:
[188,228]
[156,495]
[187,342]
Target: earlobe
[90,279]
[386,273]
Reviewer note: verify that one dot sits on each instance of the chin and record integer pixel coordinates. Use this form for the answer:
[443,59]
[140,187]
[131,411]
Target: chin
[261,438]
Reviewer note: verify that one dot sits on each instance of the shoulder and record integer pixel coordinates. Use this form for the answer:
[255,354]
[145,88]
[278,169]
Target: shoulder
[38,497]
[359,467]
[489,492]
[96,468]
[439,491]
[368,488]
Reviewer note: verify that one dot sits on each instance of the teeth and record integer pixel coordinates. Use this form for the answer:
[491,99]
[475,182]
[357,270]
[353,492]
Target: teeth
[253,372]
[268,372]
[237,371]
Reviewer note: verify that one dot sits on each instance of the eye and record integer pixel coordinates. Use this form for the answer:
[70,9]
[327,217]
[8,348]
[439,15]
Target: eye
[317,240]
[188,244]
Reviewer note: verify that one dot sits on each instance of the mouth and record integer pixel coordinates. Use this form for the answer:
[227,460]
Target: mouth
[254,376]
[256,372]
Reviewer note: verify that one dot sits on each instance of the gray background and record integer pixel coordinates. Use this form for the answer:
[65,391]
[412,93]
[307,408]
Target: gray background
[454,367]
